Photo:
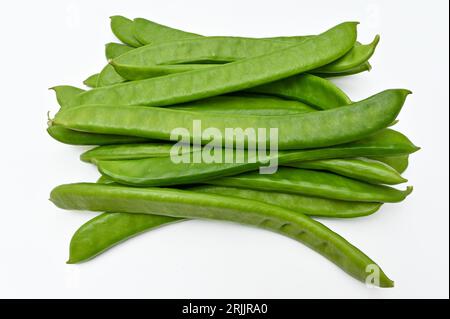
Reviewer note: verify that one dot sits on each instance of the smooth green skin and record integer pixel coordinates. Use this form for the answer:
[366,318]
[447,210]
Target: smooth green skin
[109,229]
[314,183]
[123,29]
[306,88]
[399,163]
[231,77]
[71,137]
[113,50]
[163,171]
[156,60]
[362,169]
[359,55]
[256,105]
[365,67]
[149,32]
[125,152]
[296,131]
[92,81]
[65,93]
[187,204]
[308,205]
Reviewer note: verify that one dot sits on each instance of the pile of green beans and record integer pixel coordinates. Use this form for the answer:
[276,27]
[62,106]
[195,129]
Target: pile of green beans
[337,158]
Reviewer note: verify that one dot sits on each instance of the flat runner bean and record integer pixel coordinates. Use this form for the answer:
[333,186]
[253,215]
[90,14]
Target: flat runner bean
[187,204]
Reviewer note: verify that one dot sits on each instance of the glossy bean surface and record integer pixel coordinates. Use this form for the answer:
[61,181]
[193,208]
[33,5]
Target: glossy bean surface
[399,163]
[109,229]
[123,29]
[235,76]
[71,137]
[164,171]
[187,204]
[297,131]
[363,169]
[314,183]
[306,88]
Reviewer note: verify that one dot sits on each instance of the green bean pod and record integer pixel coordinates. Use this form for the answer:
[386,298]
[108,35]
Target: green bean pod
[399,163]
[65,93]
[71,137]
[314,183]
[360,54]
[92,80]
[164,171]
[254,105]
[296,131]
[113,50]
[126,152]
[109,229]
[306,88]
[123,29]
[149,32]
[231,77]
[363,169]
[186,204]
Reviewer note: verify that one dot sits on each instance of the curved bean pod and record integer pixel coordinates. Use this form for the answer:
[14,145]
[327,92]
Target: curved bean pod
[113,50]
[65,93]
[235,76]
[163,171]
[359,55]
[92,80]
[399,163]
[359,69]
[186,204]
[306,88]
[109,229]
[125,152]
[314,183]
[297,131]
[257,105]
[123,29]
[363,169]
[149,32]
[71,137]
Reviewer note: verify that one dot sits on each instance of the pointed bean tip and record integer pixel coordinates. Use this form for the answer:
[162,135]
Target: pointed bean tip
[409,190]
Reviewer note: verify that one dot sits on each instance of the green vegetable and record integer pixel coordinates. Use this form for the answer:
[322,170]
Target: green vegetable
[235,76]
[187,204]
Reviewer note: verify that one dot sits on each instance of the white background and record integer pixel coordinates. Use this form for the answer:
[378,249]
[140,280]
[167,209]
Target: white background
[46,43]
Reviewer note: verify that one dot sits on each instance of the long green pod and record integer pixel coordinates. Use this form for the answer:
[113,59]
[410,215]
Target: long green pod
[123,29]
[360,54]
[365,67]
[126,152]
[164,58]
[363,169]
[65,93]
[230,77]
[187,204]
[314,183]
[257,105]
[109,229]
[399,163]
[92,80]
[149,32]
[165,171]
[296,131]
[113,50]
[306,88]
[71,137]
